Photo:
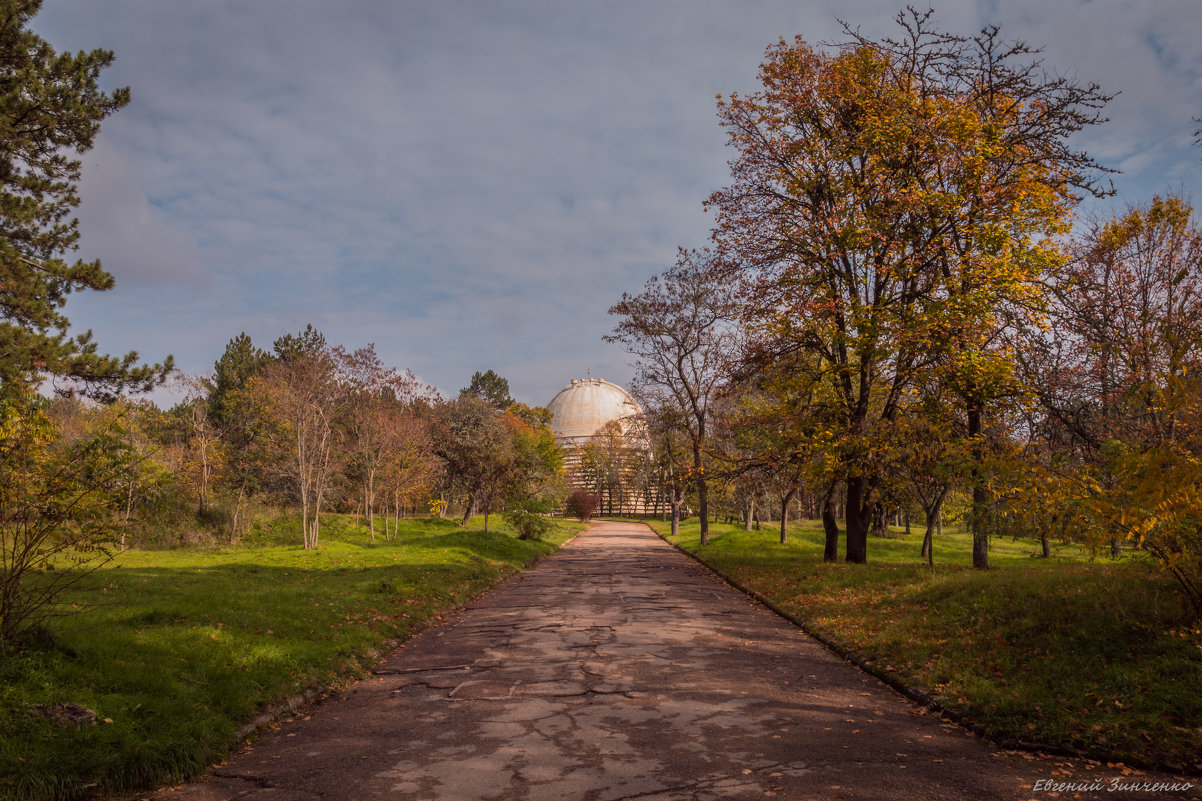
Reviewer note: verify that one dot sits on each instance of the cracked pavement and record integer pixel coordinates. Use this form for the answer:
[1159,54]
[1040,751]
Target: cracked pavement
[616,669]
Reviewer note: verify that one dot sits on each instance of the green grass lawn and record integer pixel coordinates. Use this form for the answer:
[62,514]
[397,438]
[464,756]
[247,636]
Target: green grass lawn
[177,650]
[1098,656]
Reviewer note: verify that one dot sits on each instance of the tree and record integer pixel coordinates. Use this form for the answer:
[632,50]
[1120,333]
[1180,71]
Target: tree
[929,442]
[888,201]
[296,404]
[59,503]
[376,395]
[240,360]
[1119,383]
[56,498]
[50,112]
[680,329]
[152,475]
[760,438]
[475,450]
[410,466]
[535,480]
[203,454]
[608,459]
[491,387]
[671,455]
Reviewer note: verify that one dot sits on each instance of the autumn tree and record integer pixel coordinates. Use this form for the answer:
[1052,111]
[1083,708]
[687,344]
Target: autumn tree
[612,454]
[203,452]
[766,439]
[535,481]
[928,446]
[409,468]
[594,468]
[475,450]
[888,199]
[681,331]
[375,396]
[296,404]
[671,454]
[59,509]
[1118,379]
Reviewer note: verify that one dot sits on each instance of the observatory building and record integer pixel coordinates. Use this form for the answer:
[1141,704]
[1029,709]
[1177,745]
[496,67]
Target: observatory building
[602,430]
[587,405]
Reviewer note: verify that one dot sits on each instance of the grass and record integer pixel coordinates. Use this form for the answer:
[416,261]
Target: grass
[1092,656]
[177,650]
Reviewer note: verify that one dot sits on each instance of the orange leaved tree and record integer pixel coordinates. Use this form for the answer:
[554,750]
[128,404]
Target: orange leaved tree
[891,203]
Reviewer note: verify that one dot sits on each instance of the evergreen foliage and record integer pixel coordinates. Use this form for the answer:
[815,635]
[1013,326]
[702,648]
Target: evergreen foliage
[50,112]
[491,387]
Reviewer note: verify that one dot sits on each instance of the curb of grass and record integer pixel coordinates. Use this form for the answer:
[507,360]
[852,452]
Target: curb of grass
[920,697]
[282,710]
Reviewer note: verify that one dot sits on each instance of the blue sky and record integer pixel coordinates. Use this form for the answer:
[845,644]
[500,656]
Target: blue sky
[471,185]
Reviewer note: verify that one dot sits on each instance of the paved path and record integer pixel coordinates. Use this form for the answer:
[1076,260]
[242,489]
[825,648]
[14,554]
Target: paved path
[620,669]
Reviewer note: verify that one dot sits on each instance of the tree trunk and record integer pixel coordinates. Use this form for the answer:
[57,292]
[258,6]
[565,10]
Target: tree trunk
[703,508]
[467,512]
[928,539]
[204,474]
[237,513]
[315,529]
[830,525]
[305,518]
[906,520]
[856,550]
[675,518]
[784,515]
[880,521]
[934,519]
[979,516]
[396,509]
[369,500]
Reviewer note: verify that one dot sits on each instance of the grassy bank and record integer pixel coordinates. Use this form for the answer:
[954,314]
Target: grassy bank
[1092,656]
[179,649]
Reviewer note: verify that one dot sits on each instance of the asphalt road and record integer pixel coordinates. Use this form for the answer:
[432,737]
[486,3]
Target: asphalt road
[619,669]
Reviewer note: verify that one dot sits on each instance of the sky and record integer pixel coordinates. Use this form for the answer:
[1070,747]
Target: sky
[471,185]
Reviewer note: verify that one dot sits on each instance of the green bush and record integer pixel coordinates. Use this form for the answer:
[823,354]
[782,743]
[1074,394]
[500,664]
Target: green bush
[529,525]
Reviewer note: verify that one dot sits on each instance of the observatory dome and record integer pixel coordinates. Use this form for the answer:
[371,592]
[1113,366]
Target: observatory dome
[585,406]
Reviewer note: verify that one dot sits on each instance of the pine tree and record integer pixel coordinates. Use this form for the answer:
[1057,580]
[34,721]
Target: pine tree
[237,364]
[50,112]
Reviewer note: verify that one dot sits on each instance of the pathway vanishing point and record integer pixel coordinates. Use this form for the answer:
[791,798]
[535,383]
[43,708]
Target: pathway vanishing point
[619,669]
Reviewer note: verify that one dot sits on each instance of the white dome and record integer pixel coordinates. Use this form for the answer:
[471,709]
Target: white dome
[584,407]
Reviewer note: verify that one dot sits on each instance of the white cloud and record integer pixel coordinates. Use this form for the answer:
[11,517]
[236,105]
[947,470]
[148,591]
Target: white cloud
[118,225]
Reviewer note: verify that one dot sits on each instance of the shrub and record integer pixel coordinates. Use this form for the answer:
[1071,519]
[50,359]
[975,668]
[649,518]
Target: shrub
[529,525]
[58,510]
[583,505]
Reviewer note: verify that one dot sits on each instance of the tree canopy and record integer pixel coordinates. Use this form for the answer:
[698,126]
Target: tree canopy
[491,387]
